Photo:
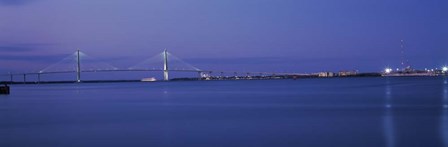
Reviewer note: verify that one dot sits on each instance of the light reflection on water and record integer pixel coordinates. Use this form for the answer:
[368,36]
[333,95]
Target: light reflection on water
[444,114]
[388,120]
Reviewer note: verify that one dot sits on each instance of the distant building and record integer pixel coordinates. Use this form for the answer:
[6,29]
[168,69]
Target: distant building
[326,74]
[438,72]
[348,73]
[206,75]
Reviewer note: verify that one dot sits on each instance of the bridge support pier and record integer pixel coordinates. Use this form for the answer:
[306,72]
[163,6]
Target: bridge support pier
[11,78]
[24,78]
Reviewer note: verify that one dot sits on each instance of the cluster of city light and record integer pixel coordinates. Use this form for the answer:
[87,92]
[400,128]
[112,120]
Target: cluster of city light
[444,69]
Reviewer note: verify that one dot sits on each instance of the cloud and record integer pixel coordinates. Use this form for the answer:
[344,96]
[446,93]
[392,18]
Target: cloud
[241,60]
[33,58]
[15,2]
[13,49]
[18,48]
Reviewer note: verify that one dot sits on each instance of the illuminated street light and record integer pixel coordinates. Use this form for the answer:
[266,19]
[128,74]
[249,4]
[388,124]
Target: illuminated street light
[388,70]
[445,68]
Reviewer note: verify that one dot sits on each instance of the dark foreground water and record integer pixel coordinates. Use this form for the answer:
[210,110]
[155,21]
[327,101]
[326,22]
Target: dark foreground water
[345,112]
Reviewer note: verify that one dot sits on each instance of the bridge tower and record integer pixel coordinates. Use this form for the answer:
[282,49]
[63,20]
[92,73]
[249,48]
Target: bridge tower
[165,65]
[78,67]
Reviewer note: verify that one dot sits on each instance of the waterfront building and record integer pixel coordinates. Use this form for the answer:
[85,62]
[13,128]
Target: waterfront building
[348,73]
[326,74]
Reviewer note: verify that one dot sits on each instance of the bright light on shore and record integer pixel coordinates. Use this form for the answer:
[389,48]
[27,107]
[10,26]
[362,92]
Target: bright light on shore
[445,69]
[388,70]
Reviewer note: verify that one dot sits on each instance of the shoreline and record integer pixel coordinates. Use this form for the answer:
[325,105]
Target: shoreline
[284,77]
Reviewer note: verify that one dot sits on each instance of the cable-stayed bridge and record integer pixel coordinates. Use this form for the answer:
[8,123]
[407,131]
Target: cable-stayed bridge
[79,63]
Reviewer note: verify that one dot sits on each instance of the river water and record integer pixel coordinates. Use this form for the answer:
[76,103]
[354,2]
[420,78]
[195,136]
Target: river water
[345,112]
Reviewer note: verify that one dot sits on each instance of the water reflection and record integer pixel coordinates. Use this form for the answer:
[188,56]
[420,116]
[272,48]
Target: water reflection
[444,114]
[388,122]
[388,94]
[405,112]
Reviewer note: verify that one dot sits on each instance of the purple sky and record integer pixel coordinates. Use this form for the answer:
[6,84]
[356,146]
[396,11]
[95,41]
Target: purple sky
[253,35]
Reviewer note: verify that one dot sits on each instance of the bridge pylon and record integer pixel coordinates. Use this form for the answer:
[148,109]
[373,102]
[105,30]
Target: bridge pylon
[165,65]
[78,67]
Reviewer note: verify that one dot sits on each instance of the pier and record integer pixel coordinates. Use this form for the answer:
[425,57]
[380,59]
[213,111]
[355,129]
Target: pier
[4,89]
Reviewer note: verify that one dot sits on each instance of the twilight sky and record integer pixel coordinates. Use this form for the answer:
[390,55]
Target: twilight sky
[242,35]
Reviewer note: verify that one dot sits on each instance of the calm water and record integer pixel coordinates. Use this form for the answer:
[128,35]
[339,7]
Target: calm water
[346,112]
